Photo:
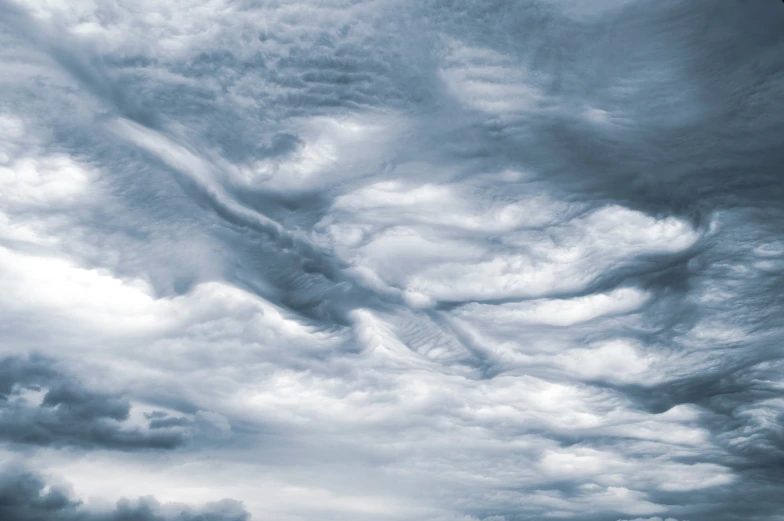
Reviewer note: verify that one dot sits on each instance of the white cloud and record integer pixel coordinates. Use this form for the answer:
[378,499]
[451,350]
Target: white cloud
[487,80]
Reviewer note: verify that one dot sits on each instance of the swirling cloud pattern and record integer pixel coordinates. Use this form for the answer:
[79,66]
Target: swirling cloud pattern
[443,260]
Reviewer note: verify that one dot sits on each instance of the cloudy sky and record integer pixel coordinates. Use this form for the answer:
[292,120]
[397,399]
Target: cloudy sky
[391,260]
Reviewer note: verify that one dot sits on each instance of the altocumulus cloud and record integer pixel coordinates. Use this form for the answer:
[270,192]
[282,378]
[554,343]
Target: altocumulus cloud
[430,261]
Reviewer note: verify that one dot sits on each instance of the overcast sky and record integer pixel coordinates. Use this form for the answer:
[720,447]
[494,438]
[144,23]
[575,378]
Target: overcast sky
[391,260]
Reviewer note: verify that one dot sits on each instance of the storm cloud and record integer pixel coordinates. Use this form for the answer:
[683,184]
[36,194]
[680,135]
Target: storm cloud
[67,413]
[25,496]
[443,260]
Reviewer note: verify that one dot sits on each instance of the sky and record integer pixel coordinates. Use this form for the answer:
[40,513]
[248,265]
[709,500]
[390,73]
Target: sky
[387,260]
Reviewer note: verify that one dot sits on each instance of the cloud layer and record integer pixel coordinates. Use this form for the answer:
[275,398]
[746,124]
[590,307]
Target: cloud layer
[435,261]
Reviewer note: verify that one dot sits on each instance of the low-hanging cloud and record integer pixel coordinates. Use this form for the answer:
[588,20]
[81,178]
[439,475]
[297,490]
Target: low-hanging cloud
[26,496]
[41,406]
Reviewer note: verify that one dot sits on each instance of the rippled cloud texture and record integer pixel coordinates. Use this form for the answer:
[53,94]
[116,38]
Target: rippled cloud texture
[438,260]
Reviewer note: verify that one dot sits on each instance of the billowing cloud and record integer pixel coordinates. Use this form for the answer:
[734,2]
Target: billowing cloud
[41,406]
[430,261]
[25,496]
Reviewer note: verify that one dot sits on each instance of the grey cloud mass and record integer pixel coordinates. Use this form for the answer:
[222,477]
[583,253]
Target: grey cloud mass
[438,260]
[25,496]
[67,413]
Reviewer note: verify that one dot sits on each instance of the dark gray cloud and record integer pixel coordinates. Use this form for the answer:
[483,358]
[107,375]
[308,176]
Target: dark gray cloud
[25,496]
[69,414]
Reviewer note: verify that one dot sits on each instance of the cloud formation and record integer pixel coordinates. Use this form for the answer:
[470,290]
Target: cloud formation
[437,260]
[25,496]
[41,406]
